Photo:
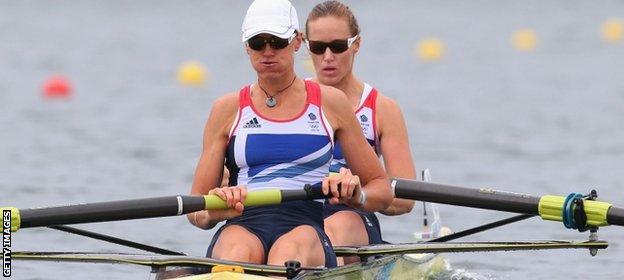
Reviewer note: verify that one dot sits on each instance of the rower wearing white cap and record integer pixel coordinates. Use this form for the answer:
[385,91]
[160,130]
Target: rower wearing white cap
[279,133]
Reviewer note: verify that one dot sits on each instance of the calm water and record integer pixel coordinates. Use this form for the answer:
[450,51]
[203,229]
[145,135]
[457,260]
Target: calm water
[547,121]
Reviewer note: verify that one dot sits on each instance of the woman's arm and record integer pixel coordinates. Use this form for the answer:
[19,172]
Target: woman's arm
[360,158]
[395,148]
[209,170]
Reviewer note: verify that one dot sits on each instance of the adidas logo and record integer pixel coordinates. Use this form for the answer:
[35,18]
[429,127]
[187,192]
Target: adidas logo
[253,123]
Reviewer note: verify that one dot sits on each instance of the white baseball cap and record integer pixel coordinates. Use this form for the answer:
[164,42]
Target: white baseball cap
[275,17]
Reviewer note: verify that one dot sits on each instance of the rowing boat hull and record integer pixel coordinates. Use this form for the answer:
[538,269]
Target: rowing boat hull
[409,266]
[413,266]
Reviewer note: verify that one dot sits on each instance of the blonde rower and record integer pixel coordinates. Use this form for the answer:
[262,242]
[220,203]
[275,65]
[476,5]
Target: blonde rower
[333,39]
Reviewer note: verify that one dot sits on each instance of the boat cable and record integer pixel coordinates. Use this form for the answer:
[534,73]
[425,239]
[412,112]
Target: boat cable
[116,240]
[481,228]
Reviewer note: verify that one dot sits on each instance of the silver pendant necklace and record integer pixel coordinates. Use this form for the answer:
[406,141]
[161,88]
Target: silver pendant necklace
[271,102]
[270,99]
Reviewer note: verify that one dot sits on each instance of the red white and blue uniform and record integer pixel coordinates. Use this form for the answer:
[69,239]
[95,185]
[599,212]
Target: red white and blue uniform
[366,115]
[287,154]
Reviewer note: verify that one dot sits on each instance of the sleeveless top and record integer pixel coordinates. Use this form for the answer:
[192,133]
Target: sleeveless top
[366,116]
[287,154]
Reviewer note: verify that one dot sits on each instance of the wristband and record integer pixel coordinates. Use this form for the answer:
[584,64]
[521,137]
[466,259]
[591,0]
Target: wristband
[195,218]
[362,200]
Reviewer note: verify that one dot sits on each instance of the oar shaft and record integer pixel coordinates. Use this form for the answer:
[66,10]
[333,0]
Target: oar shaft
[549,207]
[615,216]
[459,196]
[111,211]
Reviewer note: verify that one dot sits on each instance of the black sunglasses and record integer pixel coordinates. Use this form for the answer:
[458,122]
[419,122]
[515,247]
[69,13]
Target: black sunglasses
[258,43]
[336,46]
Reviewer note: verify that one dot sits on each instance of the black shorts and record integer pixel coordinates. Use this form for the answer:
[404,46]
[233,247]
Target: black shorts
[269,223]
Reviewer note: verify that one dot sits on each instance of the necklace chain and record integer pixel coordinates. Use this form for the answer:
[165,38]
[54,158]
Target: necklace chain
[270,100]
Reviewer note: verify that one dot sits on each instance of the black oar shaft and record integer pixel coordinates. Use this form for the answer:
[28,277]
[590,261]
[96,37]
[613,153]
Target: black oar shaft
[549,207]
[615,216]
[111,211]
[459,196]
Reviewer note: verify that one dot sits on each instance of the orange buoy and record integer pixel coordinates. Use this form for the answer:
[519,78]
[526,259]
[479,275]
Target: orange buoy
[57,87]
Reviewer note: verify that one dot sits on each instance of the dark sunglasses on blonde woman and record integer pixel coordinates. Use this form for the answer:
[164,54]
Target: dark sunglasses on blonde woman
[336,46]
[259,42]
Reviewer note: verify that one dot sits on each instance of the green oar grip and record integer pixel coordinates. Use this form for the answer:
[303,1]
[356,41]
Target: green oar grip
[15,218]
[551,208]
[255,198]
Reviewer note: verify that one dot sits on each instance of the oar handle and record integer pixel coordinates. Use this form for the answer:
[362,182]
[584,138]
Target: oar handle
[269,197]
